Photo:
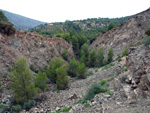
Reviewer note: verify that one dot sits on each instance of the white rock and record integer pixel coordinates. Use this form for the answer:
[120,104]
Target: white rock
[57,108]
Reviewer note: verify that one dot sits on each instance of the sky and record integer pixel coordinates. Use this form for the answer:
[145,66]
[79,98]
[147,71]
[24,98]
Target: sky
[62,10]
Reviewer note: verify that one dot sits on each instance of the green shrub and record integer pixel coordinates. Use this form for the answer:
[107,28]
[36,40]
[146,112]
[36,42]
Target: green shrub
[22,82]
[80,101]
[86,104]
[119,59]
[96,70]
[100,57]
[103,90]
[82,71]
[125,69]
[66,109]
[62,78]
[3,108]
[147,32]
[109,93]
[83,59]
[92,58]
[53,65]
[147,41]
[29,47]
[57,91]
[110,55]
[7,28]
[65,54]
[131,44]
[28,104]
[93,90]
[40,80]
[103,82]
[43,44]
[16,108]
[111,26]
[4,76]
[125,53]
[73,68]
[9,69]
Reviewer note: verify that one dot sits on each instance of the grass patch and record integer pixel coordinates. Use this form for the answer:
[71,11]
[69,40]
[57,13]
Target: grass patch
[64,110]
[9,69]
[4,76]
[57,91]
[131,44]
[125,53]
[103,82]
[125,69]
[86,105]
[109,93]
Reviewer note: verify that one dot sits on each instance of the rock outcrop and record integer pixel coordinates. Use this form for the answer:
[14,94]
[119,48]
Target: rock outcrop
[38,50]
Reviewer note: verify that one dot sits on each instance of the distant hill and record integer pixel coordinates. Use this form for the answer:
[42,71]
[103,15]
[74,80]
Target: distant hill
[89,28]
[21,22]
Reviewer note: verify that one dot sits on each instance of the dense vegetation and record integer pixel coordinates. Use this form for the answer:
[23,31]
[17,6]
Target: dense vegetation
[5,26]
[88,28]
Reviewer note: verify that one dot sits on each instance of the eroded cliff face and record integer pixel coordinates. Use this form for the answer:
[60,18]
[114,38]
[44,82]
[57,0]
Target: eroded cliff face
[139,70]
[38,50]
[132,32]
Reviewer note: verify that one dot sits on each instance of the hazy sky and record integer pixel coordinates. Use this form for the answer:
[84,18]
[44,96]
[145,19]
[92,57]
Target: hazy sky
[61,10]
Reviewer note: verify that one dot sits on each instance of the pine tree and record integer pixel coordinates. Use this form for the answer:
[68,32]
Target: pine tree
[22,82]
[62,78]
[92,58]
[84,50]
[110,55]
[111,26]
[40,80]
[72,68]
[83,59]
[65,54]
[100,57]
[51,72]
[82,71]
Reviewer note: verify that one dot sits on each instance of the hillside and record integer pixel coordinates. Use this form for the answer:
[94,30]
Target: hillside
[21,22]
[89,28]
[120,85]
[129,33]
[36,49]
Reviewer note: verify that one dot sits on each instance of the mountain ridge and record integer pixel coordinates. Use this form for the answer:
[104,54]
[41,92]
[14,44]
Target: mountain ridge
[21,22]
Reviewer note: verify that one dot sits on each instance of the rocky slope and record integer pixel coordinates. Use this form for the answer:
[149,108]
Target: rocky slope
[118,102]
[131,32]
[36,49]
